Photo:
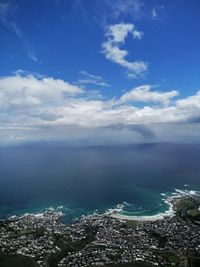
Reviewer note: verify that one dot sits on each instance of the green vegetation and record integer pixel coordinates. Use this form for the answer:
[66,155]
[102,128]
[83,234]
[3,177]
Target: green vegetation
[35,232]
[132,224]
[115,257]
[193,213]
[27,232]
[170,257]
[188,207]
[15,261]
[162,240]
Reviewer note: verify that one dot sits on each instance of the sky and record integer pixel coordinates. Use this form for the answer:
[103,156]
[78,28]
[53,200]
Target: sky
[99,71]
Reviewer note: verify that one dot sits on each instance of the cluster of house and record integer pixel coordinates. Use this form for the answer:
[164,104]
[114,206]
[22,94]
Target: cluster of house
[181,235]
[115,242]
[145,242]
[31,235]
[99,240]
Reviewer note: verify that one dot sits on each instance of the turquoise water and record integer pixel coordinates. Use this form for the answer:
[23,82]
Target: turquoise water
[95,179]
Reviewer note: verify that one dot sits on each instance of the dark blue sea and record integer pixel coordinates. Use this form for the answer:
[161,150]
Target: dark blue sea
[84,180]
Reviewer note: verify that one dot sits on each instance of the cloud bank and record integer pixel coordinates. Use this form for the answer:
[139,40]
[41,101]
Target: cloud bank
[29,101]
[32,97]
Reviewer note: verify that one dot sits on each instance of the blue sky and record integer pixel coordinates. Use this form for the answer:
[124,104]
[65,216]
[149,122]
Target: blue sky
[122,70]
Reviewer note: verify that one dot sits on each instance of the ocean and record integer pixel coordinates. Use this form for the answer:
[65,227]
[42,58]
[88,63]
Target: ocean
[133,179]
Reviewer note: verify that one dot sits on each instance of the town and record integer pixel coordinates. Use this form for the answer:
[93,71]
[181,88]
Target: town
[99,240]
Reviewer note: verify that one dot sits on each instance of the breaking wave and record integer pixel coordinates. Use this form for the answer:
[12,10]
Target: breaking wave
[124,209]
[166,198]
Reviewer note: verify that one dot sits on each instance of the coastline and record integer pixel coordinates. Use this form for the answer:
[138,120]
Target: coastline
[101,237]
[170,198]
[170,212]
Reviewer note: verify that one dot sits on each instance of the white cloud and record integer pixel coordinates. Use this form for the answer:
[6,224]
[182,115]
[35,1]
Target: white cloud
[190,107]
[191,102]
[116,35]
[38,102]
[28,90]
[88,78]
[118,32]
[145,94]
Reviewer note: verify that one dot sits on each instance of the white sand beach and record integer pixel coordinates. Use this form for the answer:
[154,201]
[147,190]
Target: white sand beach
[119,216]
